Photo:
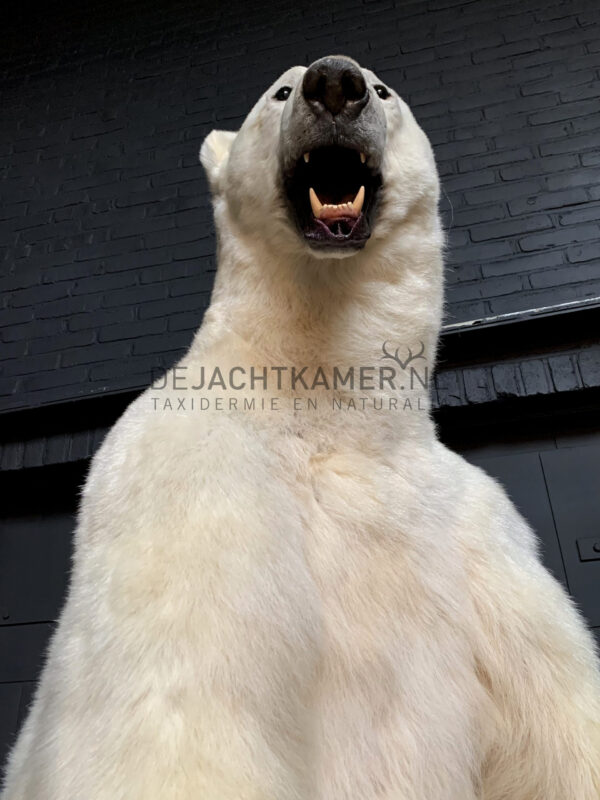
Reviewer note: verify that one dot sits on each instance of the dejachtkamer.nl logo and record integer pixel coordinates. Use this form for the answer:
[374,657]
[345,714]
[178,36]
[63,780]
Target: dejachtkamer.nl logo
[402,385]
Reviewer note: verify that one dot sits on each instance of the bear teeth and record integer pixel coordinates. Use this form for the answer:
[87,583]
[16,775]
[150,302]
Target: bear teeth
[306,157]
[332,210]
[358,201]
[315,203]
[363,158]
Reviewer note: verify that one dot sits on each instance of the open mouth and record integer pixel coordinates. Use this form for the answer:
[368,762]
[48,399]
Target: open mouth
[333,193]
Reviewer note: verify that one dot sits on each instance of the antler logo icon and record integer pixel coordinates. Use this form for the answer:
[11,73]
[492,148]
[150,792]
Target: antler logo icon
[395,357]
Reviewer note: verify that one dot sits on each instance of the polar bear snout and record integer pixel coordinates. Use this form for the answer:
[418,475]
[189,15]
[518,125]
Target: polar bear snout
[335,84]
[331,153]
[336,158]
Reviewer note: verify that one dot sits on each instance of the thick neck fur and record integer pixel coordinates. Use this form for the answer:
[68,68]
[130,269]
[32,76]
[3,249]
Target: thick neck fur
[293,309]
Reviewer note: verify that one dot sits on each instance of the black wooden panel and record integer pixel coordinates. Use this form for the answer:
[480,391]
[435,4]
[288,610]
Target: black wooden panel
[14,702]
[27,690]
[34,564]
[10,699]
[523,478]
[573,478]
[23,648]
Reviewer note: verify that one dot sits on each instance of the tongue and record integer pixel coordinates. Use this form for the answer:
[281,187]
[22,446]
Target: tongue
[339,226]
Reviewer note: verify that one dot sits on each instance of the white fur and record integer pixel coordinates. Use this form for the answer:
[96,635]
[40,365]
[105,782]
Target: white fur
[317,605]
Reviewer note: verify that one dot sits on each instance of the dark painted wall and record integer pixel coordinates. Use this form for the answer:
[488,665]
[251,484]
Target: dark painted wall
[106,244]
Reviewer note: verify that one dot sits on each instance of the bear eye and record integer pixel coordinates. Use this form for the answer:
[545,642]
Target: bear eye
[283,93]
[382,91]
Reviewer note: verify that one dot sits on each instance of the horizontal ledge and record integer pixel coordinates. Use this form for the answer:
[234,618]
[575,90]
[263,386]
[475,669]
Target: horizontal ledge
[527,314]
[517,335]
[461,344]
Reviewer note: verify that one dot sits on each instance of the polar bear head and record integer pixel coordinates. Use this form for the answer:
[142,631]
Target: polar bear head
[329,160]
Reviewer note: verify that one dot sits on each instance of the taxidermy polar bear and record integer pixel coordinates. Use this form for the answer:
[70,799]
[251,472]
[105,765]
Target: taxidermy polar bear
[309,600]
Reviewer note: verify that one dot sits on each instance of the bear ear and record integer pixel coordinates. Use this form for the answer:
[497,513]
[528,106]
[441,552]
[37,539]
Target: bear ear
[214,153]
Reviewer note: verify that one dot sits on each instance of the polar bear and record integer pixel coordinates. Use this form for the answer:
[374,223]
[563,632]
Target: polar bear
[282,588]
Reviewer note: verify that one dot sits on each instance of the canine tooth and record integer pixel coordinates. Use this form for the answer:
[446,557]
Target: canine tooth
[358,201]
[306,157]
[363,158]
[315,203]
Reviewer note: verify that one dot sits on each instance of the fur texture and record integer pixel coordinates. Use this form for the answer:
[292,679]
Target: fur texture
[308,605]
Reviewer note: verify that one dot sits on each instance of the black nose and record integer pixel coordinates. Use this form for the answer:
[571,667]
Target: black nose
[335,83]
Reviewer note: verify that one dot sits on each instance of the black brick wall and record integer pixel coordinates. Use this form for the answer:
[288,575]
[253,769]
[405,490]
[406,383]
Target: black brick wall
[106,246]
